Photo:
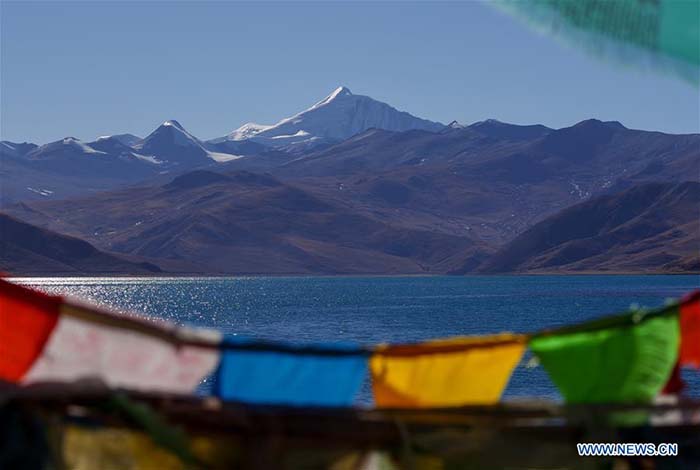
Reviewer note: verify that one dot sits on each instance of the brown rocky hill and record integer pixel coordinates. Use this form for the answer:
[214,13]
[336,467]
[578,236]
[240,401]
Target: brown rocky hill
[27,250]
[244,222]
[653,227]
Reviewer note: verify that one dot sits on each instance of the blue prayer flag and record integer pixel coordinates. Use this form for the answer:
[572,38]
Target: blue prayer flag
[289,377]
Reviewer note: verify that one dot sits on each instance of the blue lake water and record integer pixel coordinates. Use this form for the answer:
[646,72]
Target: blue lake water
[382,309]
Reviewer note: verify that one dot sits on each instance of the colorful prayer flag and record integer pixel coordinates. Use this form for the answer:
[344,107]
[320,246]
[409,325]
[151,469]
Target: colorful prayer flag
[121,357]
[26,320]
[690,331]
[664,34]
[289,377]
[626,363]
[450,372]
[44,339]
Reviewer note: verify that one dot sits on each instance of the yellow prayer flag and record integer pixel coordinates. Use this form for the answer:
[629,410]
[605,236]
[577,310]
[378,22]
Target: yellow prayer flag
[450,372]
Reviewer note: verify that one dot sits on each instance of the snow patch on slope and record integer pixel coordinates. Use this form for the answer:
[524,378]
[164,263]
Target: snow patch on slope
[127,139]
[81,146]
[244,132]
[41,192]
[223,157]
[147,158]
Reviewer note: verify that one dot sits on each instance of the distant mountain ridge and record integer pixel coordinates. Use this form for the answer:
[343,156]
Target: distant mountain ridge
[503,130]
[590,149]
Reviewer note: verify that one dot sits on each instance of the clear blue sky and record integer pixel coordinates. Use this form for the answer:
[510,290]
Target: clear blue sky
[88,69]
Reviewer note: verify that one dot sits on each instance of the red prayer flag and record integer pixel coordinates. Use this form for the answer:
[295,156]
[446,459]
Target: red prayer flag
[27,318]
[690,331]
[675,384]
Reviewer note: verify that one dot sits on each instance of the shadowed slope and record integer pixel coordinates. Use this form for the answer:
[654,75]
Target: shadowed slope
[650,227]
[243,222]
[26,250]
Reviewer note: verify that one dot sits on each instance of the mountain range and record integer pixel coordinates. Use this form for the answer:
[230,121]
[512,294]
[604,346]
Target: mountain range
[352,185]
[69,166]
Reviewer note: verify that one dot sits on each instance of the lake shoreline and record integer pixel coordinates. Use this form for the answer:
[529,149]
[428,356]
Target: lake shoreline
[360,275]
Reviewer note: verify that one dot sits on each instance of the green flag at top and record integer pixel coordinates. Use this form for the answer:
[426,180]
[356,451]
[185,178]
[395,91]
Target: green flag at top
[664,34]
[629,363]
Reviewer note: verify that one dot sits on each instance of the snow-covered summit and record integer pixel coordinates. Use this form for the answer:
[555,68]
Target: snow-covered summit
[338,116]
[170,132]
[170,142]
[173,123]
[338,92]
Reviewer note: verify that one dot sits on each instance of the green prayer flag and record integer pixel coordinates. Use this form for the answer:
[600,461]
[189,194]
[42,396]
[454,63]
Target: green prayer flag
[664,34]
[628,363]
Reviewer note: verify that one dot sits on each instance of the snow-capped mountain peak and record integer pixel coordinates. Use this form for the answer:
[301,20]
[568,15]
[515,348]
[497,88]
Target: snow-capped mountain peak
[339,92]
[172,144]
[177,129]
[173,123]
[170,132]
[338,116]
